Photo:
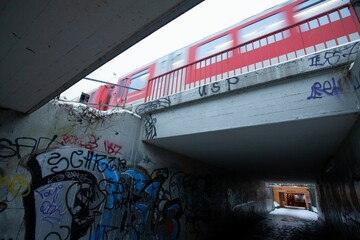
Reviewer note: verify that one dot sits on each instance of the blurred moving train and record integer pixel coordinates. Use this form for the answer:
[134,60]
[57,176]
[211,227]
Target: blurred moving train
[282,33]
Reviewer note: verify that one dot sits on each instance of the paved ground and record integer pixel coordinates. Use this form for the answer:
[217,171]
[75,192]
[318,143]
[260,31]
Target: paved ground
[281,224]
[292,226]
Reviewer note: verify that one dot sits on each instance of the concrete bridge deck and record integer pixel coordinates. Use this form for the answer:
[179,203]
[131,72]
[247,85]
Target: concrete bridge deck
[283,121]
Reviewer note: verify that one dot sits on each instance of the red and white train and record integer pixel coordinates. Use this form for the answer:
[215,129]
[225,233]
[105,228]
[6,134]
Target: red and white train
[282,33]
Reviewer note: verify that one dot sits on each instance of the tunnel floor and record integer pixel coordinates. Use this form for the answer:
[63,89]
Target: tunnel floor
[281,226]
[275,226]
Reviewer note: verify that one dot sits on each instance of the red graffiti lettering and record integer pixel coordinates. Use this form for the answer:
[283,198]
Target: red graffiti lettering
[112,148]
[90,143]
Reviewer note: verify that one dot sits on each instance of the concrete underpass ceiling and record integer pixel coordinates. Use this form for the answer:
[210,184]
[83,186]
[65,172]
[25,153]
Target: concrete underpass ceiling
[296,151]
[47,46]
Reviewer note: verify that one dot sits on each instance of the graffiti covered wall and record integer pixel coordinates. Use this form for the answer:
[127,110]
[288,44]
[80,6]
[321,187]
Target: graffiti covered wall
[74,173]
[339,189]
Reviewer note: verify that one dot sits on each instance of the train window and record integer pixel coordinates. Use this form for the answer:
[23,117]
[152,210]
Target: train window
[310,8]
[262,27]
[178,61]
[121,88]
[314,24]
[214,46]
[345,12]
[307,4]
[139,80]
[323,20]
[249,47]
[334,16]
[162,67]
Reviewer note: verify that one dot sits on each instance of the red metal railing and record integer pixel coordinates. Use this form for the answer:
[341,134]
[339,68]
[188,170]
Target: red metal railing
[317,33]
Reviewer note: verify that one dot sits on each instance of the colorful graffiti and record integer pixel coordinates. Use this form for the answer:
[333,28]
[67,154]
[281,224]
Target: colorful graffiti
[73,191]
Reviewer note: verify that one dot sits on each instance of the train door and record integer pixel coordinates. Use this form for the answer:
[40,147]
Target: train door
[262,42]
[168,80]
[118,97]
[105,93]
[137,83]
[178,60]
[210,67]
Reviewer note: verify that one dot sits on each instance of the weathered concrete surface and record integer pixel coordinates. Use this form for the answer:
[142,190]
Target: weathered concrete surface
[75,173]
[338,187]
[54,44]
[327,59]
[293,99]
[294,115]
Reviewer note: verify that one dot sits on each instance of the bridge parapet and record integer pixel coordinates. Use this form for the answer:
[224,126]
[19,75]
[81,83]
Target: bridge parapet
[292,116]
[320,61]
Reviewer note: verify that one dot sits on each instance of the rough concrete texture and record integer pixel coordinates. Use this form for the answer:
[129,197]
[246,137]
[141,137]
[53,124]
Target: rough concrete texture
[323,60]
[294,115]
[74,173]
[292,100]
[338,189]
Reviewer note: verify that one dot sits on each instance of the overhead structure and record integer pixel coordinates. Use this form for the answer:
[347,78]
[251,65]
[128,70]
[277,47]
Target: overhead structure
[47,46]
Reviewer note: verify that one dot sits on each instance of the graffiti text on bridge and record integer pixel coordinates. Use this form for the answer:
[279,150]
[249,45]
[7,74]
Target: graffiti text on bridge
[327,88]
[85,160]
[216,87]
[333,57]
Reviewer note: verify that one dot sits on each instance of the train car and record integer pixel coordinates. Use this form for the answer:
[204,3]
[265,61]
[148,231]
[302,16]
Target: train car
[282,33]
[131,88]
[100,97]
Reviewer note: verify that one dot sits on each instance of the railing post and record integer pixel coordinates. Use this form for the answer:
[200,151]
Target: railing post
[147,90]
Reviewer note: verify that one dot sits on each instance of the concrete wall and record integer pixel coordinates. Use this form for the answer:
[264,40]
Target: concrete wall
[304,67]
[74,173]
[338,188]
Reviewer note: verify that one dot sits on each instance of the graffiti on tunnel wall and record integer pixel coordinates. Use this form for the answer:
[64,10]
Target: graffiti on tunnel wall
[69,188]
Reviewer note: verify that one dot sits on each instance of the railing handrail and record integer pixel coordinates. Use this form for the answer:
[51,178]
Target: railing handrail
[245,43]
[250,41]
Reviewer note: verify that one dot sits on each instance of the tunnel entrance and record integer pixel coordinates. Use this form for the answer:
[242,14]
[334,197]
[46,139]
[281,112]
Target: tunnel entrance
[293,200]
[293,196]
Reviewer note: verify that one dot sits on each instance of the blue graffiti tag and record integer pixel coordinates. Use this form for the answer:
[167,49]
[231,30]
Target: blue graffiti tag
[332,57]
[328,88]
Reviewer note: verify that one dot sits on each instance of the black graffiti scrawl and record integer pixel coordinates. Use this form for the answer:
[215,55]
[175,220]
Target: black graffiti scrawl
[76,199]
[150,128]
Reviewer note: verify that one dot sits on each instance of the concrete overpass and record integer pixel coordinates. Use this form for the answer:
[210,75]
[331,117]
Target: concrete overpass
[72,172]
[47,46]
[281,122]
[179,171]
